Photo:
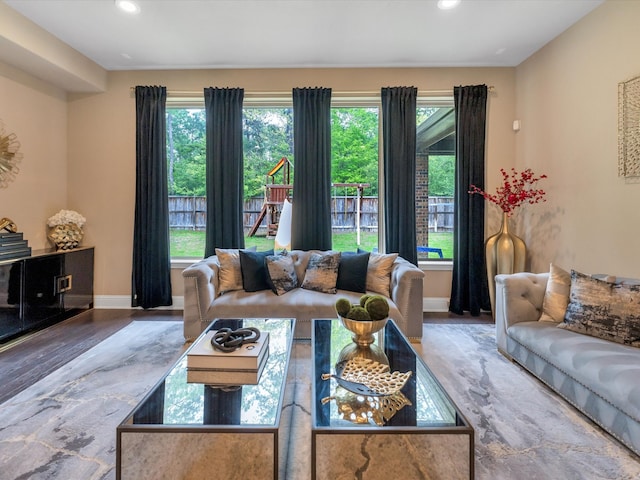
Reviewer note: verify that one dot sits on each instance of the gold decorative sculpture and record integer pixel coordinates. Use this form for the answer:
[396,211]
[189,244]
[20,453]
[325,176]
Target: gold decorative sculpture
[8,225]
[368,391]
[66,236]
[9,156]
[360,409]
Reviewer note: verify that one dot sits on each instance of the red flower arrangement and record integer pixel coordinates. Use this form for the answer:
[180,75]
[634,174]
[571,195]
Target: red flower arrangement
[515,190]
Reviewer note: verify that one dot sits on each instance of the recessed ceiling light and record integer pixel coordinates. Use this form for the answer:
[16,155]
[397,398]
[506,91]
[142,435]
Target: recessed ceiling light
[128,6]
[448,4]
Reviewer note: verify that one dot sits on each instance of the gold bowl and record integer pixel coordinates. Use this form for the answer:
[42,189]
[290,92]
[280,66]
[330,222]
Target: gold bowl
[363,330]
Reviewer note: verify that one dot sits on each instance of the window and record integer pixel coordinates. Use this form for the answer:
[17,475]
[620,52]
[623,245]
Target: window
[268,138]
[435,181]
[354,177]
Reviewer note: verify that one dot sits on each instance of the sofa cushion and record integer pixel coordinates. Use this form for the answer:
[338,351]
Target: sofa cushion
[281,273]
[230,275]
[606,310]
[352,272]
[254,271]
[322,272]
[299,303]
[556,295]
[608,369]
[379,273]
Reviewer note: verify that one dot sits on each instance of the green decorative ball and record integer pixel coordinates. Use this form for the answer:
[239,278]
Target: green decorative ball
[358,313]
[343,305]
[377,307]
[363,299]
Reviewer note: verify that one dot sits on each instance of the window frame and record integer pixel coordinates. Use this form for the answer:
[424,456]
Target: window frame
[341,100]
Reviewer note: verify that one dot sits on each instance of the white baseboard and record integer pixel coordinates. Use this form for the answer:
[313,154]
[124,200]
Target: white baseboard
[435,304]
[124,302]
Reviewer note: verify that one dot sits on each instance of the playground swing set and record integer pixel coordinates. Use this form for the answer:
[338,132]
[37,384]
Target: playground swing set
[276,193]
[274,197]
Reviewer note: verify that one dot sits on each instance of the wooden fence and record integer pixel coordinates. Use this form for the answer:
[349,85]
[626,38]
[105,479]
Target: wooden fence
[189,213]
[441,214]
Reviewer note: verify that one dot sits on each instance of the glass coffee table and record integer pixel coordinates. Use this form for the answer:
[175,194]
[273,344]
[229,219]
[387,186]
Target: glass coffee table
[415,433]
[193,431]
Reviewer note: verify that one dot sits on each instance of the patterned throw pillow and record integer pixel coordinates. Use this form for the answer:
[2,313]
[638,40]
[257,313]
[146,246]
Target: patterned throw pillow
[281,273]
[322,272]
[379,273]
[601,309]
[556,296]
[230,275]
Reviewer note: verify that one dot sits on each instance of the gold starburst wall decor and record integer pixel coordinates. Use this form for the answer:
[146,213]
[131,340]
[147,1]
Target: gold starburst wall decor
[10,156]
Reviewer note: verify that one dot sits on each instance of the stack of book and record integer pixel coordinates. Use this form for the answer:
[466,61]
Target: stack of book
[243,366]
[12,246]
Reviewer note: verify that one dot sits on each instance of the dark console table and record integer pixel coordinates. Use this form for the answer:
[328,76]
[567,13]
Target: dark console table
[44,288]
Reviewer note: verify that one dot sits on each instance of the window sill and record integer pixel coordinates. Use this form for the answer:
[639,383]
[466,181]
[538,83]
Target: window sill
[183,262]
[436,265]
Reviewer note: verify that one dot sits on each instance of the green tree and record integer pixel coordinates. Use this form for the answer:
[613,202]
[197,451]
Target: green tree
[354,146]
[441,175]
[186,149]
[268,136]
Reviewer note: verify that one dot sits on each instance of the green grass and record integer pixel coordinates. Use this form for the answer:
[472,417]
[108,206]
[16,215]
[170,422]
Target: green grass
[190,243]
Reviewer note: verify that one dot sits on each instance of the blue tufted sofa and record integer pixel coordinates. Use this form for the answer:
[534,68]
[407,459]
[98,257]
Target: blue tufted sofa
[599,377]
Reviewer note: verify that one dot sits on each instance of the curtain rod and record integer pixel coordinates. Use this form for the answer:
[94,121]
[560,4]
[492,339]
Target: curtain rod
[370,93]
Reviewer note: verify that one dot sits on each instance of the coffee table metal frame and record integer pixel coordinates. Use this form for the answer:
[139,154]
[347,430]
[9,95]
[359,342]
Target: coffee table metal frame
[147,444]
[408,443]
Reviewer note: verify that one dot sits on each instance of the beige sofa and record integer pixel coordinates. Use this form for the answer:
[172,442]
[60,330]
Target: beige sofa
[203,301]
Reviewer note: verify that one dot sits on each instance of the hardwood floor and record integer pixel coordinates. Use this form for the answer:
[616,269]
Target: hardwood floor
[27,359]
[448,317]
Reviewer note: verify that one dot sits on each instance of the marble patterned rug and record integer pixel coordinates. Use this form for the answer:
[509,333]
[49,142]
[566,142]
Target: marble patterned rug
[522,428]
[64,426]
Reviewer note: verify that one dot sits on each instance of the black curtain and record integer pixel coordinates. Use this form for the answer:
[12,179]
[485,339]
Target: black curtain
[225,187]
[151,276]
[469,289]
[399,166]
[311,205]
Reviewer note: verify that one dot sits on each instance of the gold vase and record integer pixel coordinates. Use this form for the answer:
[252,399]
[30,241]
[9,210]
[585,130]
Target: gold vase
[505,253]
[65,237]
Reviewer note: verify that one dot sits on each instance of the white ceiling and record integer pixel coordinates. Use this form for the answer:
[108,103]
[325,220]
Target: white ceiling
[304,33]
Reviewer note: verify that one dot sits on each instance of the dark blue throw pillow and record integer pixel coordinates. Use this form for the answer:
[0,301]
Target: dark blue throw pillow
[352,272]
[254,270]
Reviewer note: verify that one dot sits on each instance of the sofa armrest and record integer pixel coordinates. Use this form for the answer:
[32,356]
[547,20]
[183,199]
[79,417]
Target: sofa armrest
[519,298]
[406,293]
[201,287]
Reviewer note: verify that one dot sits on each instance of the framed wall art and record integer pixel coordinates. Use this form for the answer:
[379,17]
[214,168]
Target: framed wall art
[629,128]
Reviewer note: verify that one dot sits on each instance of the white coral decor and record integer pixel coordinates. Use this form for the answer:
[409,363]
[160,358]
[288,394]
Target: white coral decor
[66,216]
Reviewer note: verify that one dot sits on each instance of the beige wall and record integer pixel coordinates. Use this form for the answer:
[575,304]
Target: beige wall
[37,114]
[567,103]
